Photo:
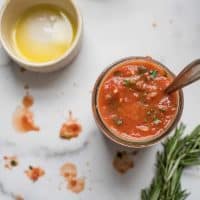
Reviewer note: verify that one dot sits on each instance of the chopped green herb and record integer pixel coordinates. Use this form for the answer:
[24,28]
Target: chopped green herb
[13,163]
[162,110]
[30,167]
[153,74]
[118,121]
[149,112]
[142,70]
[156,120]
[128,83]
[117,73]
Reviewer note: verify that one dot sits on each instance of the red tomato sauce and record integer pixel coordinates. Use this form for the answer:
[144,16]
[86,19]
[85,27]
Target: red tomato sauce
[131,100]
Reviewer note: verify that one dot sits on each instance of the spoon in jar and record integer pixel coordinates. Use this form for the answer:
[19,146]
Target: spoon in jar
[188,75]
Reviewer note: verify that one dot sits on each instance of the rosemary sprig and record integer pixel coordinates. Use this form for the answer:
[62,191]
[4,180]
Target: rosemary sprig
[178,152]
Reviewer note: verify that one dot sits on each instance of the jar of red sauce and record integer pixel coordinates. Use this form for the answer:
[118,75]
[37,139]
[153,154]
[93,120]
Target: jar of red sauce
[130,105]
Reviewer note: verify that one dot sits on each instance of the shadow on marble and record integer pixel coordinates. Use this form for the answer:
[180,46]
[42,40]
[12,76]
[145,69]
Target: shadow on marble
[44,80]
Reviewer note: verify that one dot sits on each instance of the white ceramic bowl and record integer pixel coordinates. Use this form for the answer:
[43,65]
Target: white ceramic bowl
[11,11]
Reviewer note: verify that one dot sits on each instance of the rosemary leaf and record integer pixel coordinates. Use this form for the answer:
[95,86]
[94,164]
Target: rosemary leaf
[178,152]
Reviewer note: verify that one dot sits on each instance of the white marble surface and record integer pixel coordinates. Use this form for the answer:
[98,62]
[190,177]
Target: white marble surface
[113,29]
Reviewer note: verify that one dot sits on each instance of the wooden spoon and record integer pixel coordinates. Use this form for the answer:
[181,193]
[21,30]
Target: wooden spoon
[188,75]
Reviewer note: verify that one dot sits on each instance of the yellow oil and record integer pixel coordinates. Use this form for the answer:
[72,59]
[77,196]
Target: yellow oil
[43,33]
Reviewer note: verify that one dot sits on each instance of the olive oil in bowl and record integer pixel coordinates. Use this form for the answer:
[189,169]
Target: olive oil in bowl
[43,33]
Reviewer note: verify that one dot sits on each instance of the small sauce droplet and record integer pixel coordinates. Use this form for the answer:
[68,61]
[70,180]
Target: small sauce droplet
[28,101]
[34,173]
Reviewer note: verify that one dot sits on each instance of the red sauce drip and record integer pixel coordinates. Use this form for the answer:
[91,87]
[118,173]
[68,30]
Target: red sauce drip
[23,118]
[71,128]
[28,101]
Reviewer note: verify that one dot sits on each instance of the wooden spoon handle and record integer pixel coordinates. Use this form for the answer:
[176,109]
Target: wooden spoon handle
[188,75]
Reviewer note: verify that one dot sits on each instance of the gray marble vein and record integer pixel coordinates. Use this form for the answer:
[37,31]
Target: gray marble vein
[4,192]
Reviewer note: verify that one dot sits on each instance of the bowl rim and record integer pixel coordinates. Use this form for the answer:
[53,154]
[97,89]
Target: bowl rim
[26,63]
[119,140]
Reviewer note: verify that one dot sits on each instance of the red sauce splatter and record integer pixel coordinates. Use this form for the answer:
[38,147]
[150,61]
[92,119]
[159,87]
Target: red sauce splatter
[10,162]
[71,128]
[123,162]
[34,173]
[76,185]
[23,118]
[69,172]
